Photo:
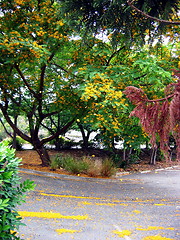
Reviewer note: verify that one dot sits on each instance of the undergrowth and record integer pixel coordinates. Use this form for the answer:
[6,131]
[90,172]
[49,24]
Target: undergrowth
[86,165]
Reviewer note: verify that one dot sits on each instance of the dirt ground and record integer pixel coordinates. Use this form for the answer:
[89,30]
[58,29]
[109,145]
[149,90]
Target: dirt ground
[31,160]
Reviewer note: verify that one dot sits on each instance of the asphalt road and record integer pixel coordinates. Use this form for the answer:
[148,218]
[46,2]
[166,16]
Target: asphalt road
[143,206]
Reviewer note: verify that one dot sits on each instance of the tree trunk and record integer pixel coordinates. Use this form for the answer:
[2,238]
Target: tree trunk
[153,156]
[14,144]
[44,156]
[84,136]
[124,154]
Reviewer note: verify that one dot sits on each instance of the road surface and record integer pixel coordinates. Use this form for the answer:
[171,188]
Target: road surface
[142,206]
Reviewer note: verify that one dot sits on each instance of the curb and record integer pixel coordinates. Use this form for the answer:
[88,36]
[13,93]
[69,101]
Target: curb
[80,178]
[162,169]
[67,177]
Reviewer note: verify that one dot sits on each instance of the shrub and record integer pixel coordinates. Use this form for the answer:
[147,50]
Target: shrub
[63,143]
[57,162]
[11,193]
[108,168]
[75,166]
[19,142]
[90,166]
[70,164]
[94,169]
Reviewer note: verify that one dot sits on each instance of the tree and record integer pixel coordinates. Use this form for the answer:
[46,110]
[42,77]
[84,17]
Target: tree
[159,118]
[33,45]
[108,71]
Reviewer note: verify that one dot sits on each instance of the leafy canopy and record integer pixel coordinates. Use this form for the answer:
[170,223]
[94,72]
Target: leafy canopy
[120,19]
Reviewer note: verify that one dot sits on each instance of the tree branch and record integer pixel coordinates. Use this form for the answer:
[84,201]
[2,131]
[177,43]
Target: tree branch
[61,131]
[161,99]
[8,133]
[116,52]
[130,3]
[24,80]
[13,126]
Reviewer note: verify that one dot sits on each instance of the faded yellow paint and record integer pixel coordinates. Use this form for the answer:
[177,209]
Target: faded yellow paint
[51,215]
[68,196]
[63,230]
[159,204]
[122,233]
[98,204]
[154,228]
[158,237]
[137,211]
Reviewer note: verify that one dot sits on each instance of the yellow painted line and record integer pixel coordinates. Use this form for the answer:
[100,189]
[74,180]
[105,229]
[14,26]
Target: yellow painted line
[150,228]
[111,201]
[63,230]
[68,196]
[51,215]
[98,204]
[136,211]
[159,204]
[157,237]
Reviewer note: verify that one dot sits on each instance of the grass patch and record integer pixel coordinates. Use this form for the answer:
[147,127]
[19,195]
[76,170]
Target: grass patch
[108,169]
[87,165]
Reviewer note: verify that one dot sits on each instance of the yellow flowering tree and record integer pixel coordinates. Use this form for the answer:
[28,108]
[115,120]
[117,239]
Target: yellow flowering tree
[34,42]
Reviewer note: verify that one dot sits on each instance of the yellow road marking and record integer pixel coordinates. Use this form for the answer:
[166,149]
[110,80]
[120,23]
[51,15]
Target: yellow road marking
[154,228]
[63,230]
[98,204]
[68,196]
[158,237]
[51,215]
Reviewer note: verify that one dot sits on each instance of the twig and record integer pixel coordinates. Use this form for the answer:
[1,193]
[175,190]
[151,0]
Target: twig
[130,3]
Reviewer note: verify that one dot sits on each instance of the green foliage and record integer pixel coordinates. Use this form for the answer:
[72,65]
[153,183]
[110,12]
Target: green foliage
[19,142]
[118,18]
[11,193]
[70,164]
[85,165]
[63,143]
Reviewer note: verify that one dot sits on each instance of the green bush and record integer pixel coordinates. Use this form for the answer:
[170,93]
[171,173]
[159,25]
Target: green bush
[63,143]
[83,165]
[19,142]
[11,193]
[70,164]
[75,166]
[57,162]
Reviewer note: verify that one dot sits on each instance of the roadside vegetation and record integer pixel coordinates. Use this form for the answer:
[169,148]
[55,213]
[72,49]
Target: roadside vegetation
[90,166]
[12,193]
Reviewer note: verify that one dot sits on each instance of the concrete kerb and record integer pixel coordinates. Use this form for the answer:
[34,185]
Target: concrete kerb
[80,178]
[64,176]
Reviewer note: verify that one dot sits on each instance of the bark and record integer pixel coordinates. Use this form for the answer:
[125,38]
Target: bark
[153,156]
[5,129]
[44,156]
[14,145]
[84,136]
